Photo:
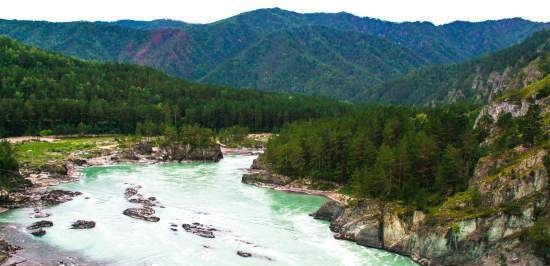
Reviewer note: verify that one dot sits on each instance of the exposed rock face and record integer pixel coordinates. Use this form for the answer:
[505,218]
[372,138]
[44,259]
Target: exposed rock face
[82,224]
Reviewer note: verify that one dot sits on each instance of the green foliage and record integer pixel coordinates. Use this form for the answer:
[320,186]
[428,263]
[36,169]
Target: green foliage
[35,154]
[9,167]
[40,90]
[538,236]
[45,132]
[531,125]
[197,136]
[235,136]
[527,130]
[396,153]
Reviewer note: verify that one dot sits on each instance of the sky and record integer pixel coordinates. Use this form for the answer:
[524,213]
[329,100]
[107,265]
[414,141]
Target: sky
[205,11]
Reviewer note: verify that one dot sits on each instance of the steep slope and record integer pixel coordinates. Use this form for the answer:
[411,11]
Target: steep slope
[312,60]
[478,80]
[216,51]
[45,91]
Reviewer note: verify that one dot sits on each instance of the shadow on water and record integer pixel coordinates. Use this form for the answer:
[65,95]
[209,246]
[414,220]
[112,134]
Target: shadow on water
[37,252]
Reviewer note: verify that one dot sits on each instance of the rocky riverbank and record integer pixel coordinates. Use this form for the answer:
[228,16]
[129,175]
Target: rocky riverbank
[482,226]
[259,176]
[37,193]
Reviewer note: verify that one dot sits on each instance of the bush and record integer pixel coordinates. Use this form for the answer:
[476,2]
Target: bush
[538,236]
[45,132]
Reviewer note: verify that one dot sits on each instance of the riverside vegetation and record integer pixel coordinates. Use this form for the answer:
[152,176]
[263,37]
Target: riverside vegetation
[452,184]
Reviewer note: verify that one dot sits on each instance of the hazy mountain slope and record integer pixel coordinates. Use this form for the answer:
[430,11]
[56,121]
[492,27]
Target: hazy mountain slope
[213,52]
[477,80]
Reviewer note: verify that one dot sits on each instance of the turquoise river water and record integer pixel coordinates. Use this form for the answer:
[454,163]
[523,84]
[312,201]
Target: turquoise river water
[273,226]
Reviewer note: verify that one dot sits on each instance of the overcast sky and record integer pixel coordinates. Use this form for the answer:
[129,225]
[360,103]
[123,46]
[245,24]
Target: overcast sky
[203,11]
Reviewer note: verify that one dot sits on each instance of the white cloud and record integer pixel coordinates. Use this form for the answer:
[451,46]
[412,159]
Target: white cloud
[202,11]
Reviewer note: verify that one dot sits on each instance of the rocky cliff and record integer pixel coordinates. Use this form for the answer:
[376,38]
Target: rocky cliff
[484,225]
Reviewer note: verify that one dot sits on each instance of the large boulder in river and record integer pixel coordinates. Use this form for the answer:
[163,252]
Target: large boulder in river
[82,224]
[144,213]
[40,224]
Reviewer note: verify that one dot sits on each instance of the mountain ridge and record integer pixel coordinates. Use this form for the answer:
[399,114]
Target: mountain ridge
[200,52]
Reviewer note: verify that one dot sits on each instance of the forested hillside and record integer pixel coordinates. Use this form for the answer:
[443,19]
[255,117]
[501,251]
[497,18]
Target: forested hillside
[478,80]
[397,153]
[308,52]
[46,91]
[304,60]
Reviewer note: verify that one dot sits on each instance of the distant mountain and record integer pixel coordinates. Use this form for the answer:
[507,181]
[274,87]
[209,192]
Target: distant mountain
[278,50]
[149,25]
[477,80]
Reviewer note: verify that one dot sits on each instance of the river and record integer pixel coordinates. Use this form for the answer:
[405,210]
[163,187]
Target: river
[274,227]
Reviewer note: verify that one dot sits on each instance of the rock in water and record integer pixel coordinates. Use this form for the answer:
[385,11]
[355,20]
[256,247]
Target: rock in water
[82,224]
[144,213]
[58,196]
[40,224]
[38,232]
[199,229]
[244,254]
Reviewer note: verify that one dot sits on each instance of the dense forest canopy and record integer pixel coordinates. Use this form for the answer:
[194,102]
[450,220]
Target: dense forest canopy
[46,91]
[414,155]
